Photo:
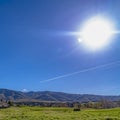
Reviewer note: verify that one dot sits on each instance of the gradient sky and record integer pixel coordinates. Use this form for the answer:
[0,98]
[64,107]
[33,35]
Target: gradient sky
[36,45]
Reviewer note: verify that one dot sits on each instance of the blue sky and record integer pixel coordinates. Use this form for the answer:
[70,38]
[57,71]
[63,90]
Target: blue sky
[35,46]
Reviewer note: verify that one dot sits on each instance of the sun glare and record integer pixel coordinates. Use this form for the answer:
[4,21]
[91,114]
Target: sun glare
[96,33]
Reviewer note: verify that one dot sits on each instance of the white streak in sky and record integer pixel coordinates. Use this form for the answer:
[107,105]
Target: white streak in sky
[116,32]
[82,71]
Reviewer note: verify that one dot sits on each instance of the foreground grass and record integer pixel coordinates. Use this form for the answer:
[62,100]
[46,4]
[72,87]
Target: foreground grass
[38,113]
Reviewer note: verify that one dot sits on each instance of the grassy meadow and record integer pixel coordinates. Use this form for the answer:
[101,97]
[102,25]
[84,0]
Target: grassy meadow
[38,113]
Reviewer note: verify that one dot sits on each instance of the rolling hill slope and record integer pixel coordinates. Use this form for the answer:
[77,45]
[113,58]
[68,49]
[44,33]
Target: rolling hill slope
[52,96]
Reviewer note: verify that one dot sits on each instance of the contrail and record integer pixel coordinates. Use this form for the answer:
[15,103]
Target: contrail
[81,71]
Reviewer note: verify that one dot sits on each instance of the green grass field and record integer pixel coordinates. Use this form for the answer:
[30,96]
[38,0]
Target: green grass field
[38,113]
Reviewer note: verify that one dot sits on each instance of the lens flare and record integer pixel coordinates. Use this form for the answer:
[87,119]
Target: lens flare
[97,33]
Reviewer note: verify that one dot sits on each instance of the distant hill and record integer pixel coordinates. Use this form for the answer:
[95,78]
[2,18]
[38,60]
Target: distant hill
[52,96]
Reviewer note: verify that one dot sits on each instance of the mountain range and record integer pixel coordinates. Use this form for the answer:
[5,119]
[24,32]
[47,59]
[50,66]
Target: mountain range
[52,96]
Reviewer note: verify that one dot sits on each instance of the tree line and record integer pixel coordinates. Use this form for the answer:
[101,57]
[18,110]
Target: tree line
[102,104]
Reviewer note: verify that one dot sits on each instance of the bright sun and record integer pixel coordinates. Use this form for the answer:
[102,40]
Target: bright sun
[96,33]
